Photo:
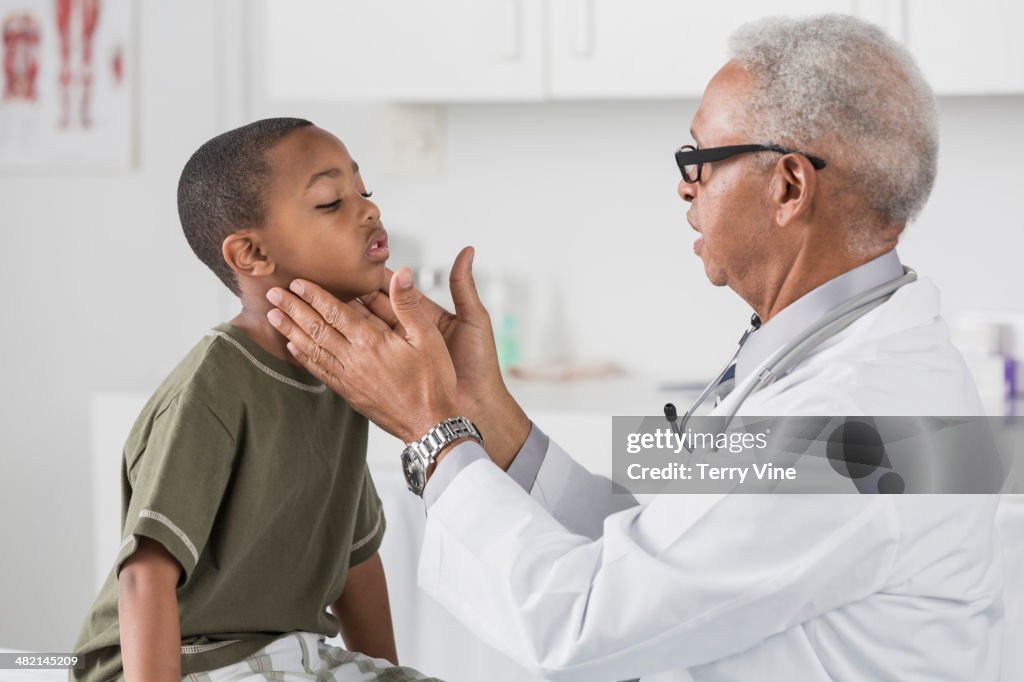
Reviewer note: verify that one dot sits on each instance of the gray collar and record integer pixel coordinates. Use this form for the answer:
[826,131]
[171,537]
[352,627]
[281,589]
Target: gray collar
[812,306]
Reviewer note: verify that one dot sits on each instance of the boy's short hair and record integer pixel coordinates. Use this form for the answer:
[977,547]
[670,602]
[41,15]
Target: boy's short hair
[222,186]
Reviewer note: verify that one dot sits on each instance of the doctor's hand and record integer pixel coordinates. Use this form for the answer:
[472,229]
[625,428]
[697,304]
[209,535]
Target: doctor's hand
[481,393]
[402,379]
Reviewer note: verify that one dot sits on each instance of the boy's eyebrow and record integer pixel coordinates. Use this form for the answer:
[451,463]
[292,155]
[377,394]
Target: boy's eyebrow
[329,173]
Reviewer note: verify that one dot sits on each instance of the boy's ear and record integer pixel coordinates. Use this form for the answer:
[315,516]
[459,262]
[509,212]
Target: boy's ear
[245,253]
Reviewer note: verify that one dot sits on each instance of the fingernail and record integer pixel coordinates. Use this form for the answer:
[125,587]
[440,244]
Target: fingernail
[276,317]
[297,287]
[404,279]
[292,348]
[274,295]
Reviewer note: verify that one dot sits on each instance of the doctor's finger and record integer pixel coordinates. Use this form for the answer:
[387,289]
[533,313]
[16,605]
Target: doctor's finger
[328,370]
[410,309]
[314,356]
[463,287]
[321,306]
[303,326]
[379,304]
[369,315]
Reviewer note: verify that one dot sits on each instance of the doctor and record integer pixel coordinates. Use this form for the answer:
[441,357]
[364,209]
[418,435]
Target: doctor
[543,561]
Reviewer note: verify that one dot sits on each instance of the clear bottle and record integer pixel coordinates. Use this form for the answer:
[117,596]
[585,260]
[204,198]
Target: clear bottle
[505,323]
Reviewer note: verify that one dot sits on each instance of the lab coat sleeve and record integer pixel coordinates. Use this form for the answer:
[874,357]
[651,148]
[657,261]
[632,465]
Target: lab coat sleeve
[527,462]
[681,581]
[578,499]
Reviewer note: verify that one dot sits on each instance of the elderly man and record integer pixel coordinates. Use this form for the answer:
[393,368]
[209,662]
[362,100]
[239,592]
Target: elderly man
[815,145]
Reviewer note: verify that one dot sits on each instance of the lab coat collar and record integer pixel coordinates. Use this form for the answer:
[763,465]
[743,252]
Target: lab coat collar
[802,313]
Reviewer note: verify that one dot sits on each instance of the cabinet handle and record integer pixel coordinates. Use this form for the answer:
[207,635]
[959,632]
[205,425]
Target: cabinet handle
[583,28]
[511,27]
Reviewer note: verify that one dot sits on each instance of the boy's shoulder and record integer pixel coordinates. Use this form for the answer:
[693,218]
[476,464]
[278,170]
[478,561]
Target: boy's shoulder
[204,377]
[225,375]
[227,378]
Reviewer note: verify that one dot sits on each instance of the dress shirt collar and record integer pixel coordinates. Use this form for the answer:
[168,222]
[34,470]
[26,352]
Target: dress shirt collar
[812,306]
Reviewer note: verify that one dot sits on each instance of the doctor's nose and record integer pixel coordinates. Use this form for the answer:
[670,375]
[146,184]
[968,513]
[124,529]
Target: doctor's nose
[687,190]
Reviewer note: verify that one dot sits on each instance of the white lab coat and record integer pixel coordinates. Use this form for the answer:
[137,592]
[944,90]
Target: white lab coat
[741,587]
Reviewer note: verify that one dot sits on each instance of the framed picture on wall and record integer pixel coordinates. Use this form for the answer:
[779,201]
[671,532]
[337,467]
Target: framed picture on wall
[67,88]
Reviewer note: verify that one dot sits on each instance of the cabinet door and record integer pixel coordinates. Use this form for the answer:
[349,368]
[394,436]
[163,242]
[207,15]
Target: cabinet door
[402,50]
[650,48]
[968,48]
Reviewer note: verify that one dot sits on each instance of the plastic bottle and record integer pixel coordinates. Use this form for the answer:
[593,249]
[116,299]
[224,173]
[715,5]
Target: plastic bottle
[505,324]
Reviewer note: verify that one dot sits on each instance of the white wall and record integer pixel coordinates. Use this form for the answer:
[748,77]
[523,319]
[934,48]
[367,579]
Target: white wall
[102,292]
[588,191]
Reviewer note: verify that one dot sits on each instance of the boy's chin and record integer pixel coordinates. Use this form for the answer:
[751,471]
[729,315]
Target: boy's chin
[346,287]
[376,280]
[348,291]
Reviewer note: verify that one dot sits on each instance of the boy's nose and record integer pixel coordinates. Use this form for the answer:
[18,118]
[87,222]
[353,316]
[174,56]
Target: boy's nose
[371,213]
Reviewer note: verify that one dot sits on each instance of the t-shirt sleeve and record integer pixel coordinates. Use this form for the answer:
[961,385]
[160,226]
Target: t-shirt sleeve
[177,482]
[369,529]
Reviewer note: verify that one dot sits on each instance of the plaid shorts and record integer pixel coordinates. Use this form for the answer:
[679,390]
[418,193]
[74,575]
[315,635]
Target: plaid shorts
[306,656]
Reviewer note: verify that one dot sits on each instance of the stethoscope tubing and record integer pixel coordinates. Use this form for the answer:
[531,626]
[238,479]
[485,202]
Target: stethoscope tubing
[782,361]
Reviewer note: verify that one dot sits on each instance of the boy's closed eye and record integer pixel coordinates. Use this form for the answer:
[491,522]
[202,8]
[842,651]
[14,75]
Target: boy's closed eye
[337,202]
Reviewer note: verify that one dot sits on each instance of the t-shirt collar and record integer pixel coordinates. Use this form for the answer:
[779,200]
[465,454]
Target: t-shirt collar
[264,360]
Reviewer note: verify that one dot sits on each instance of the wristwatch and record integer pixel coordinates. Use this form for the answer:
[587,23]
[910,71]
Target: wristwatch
[419,455]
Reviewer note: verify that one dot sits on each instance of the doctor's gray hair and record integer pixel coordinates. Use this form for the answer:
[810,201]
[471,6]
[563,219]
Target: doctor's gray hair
[838,87]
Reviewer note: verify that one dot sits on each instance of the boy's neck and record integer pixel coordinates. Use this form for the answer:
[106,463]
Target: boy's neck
[253,321]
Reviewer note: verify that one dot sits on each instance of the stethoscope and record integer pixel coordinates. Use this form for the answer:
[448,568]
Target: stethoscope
[782,361]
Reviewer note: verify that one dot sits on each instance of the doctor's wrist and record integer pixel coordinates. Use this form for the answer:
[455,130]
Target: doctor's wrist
[417,428]
[504,424]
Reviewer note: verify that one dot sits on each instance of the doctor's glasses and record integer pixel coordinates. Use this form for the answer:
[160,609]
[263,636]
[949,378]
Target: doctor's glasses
[691,160]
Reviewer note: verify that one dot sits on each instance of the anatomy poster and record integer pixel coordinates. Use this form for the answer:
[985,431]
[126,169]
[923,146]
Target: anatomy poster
[67,95]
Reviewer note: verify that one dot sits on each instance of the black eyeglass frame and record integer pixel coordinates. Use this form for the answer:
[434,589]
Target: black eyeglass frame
[689,155]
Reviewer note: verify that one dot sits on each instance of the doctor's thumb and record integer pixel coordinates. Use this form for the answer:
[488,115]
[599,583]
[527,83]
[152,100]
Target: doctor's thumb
[463,287]
[405,301]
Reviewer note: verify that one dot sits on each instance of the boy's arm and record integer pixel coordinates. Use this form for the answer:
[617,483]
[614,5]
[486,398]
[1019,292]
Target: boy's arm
[364,613]
[147,608]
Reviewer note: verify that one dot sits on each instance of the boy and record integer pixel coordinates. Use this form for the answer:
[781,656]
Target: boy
[247,507]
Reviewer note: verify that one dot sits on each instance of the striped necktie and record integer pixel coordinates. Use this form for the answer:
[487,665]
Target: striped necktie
[725,384]
[728,381]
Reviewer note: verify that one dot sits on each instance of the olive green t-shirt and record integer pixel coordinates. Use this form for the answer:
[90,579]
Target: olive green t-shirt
[253,475]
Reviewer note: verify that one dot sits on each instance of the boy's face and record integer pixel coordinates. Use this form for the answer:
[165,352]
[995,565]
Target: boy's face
[320,225]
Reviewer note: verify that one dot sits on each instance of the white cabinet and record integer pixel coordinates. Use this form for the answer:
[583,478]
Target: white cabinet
[613,49]
[528,50]
[402,50]
[968,48]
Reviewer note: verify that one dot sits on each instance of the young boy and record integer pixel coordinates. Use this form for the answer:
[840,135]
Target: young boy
[247,506]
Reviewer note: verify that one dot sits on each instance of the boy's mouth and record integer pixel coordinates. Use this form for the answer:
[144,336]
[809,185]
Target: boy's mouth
[377,249]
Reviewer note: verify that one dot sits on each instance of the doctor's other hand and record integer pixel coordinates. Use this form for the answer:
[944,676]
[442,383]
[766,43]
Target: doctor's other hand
[481,393]
[403,380]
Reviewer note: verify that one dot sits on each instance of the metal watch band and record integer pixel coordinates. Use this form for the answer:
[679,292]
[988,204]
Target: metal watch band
[419,455]
[428,447]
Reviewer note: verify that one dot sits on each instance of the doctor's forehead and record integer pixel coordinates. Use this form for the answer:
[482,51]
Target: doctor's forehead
[720,117]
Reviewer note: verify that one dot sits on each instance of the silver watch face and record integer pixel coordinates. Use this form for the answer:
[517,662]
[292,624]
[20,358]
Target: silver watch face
[415,477]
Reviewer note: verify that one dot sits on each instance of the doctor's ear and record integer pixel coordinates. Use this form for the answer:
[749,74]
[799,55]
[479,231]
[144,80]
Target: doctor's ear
[793,188]
[246,254]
